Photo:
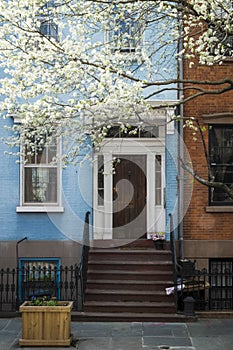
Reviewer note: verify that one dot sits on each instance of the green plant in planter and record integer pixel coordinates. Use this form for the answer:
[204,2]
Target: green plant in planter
[44,301]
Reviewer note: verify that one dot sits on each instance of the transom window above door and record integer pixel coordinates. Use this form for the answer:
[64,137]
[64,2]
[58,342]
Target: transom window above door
[150,131]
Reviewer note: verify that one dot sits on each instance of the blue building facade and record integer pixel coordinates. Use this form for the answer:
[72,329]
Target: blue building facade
[56,231]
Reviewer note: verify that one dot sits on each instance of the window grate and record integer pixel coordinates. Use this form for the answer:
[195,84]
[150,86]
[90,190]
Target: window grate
[221,281]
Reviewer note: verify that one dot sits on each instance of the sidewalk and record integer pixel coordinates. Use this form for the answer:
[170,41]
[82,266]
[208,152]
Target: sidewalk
[205,334]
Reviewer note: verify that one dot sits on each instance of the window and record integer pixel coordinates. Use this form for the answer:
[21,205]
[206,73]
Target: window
[221,161]
[40,176]
[47,26]
[133,132]
[222,29]
[221,291]
[39,277]
[49,29]
[126,36]
[100,180]
[158,179]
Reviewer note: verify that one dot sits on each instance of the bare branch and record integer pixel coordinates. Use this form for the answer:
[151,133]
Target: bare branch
[209,183]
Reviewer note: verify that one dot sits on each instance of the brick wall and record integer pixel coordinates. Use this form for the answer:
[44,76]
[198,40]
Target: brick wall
[198,223]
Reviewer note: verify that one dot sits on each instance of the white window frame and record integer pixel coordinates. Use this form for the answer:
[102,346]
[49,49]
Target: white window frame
[40,206]
[117,43]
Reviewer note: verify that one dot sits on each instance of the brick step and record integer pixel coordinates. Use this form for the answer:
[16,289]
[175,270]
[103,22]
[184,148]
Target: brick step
[129,254]
[128,282]
[127,295]
[129,317]
[158,265]
[116,284]
[129,306]
[98,274]
[122,243]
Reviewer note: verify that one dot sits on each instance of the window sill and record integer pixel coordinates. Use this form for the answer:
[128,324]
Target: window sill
[219,209]
[38,209]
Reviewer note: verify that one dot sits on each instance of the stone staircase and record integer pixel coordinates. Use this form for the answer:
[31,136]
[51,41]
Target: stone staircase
[128,284]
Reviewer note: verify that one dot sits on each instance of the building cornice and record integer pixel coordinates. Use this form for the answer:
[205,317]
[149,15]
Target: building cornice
[218,118]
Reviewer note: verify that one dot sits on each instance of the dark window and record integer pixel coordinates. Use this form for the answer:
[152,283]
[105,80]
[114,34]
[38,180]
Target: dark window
[47,26]
[100,180]
[49,29]
[221,162]
[133,132]
[221,277]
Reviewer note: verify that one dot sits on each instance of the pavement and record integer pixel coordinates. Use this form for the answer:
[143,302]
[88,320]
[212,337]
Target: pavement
[205,334]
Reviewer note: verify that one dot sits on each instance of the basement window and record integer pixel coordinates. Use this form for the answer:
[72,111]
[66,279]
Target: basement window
[39,277]
[221,277]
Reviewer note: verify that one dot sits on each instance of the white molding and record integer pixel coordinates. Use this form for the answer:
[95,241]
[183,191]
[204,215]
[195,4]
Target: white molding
[117,147]
[38,209]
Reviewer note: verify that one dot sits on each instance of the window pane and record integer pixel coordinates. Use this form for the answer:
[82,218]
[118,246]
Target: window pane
[52,153]
[221,161]
[221,145]
[49,29]
[158,179]
[134,131]
[40,185]
[30,156]
[101,180]
[224,175]
[41,155]
[126,36]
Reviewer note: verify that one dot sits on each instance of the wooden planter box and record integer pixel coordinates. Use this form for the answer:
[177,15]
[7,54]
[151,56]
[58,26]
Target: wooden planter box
[46,325]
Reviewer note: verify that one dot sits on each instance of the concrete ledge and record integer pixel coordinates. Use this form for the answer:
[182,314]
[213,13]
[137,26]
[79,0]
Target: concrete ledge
[219,209]
[214,314]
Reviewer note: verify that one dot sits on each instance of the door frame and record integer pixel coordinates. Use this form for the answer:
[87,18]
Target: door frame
[111,148]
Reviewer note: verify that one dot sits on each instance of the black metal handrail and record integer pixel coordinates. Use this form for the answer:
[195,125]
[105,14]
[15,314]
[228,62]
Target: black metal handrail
[174,258]
[83,265]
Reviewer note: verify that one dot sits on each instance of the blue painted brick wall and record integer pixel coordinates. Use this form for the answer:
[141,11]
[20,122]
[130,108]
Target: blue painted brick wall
[171,179]
[42,226]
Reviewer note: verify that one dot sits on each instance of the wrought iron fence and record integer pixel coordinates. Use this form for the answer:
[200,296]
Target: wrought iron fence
[210,290]
[35,280]
[64,283]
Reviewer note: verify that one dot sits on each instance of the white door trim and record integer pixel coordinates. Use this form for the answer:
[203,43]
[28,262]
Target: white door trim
[115,148]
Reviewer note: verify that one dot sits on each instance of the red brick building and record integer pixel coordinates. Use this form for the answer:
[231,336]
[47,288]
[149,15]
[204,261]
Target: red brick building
[208,223]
